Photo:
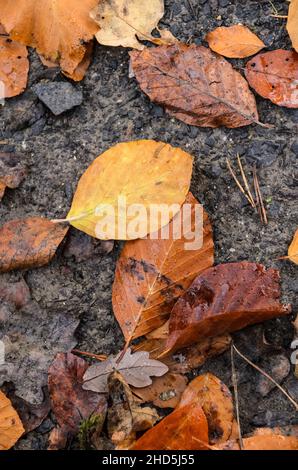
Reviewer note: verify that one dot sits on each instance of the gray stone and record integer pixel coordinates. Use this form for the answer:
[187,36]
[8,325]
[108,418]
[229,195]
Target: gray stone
[58,96]
[278,367]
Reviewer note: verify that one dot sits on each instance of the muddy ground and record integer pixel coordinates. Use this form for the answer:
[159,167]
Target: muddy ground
[58,150]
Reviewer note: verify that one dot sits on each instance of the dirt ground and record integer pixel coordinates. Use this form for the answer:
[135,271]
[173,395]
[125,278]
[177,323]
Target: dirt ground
[58,149]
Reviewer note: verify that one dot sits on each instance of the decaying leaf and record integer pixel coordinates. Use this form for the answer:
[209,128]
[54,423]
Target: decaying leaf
[80,71]
[274,75]
[292,24]
[12,170]
[11,427]
[114,195]
[265,442]
[125,22]
[125,415]
[29,243]
[217,403]
[293,249]
[235,42]
[14,67]
[136,368]
[195,85]
[71,404]
[58,30]
[223,299]
[15,293]
[152,273]
[165,392]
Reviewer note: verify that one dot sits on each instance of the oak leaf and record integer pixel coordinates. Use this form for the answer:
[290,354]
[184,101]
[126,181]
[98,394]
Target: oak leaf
[274,75]
[152,273]
[12,171]
[223,299]
[195,85]
[14,67]
[121,185]
[293,249]
[235,42]
[292,24]
[29,243]
[11,427]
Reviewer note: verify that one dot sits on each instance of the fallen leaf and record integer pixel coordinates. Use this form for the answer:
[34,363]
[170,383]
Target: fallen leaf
[80,71]
[14,68]
[293,249]
[223,299]
[128,176]
[217,403]
[265,442]
[12,171]
[71,404]
[11,427]
[165,392]
[126,22]
[235,42]
[29,243]
[185,428]
[136,368]
[16,293]
[274,75]
[195,85]
[58,30]
[292,24]
[152,273]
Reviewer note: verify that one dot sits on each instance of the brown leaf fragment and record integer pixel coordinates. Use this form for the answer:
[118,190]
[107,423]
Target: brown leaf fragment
[265,442]
[80,71]
[16,293]
[14,67]
[71,404]
[11,427]
[12,171]
[274,75]
[293,249]
[195,85]
[292,24]
[29,243]
[223,299]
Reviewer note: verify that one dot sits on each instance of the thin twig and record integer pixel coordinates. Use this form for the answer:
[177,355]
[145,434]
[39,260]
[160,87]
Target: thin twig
[267,376]
[99,357]
[261,207]
[282,17]
[237,181]
[235,385]
[245,181]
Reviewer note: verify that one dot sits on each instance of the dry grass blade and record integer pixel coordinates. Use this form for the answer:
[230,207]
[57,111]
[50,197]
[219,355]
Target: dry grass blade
[245,181]
[235,386]
[247,194]
[98,357]
[260,204]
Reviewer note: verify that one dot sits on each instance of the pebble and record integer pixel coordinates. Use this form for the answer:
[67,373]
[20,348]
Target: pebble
[58,96]
[279,368]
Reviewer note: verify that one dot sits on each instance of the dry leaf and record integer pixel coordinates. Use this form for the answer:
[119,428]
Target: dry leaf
[152,273]
[165,392]
[274,75]
[58,30]
[292,24]
[11,427]
[265,442]
[235,42]
[223,299]
[14,67]
[217,403]
[293,249]
[29,243]
[136,368]
[130,177]
[195,85]
[71,404]
[12,171]
[80,71]
[125,22]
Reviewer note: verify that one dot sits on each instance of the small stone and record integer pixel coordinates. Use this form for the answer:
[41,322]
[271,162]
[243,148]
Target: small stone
[82,247]
[58,96]
[278,368]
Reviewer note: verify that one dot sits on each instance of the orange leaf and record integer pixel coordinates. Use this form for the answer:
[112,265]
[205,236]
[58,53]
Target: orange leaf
[274,75]
[292,24]
[234,41]
[293,249]
[12,172]
[28,243]
[14,67]
[11,427]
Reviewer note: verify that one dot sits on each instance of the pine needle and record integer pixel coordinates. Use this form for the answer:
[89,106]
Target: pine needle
[235,386]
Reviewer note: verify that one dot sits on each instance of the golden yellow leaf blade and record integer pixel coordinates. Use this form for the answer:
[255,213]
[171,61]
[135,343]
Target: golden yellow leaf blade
[11,427]
[292,24]
[293,249]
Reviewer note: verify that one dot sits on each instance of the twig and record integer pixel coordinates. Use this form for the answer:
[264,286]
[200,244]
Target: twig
[267,376]
[261,207]
[99,357]
[245,181]
[235,386]
[237,181]
[283,17]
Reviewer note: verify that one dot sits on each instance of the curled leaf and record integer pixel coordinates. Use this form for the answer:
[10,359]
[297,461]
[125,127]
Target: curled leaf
[11,427]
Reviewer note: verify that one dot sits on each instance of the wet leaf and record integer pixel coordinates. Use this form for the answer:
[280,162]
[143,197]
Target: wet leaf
[131,175]
[11,427]
[29,243]
[223,299]
[235,42]
[292,24]
[58,30]
[12,171]
[274,75]
[195,85]
[217,403]
[16,293]
[152,273]
[293,249]
[14,68]
[136,368]
[71,404]
[126,22]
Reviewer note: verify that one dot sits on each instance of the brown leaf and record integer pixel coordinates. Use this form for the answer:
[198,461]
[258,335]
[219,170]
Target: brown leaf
[14,67]
[293,249]
[16,293]
[71,404]
[12,171]
[223,299]
[274,75]
[265,442]
[29,243]
[292,24]
[152,273]
[11,427]
[195,85]
[80,71]
[235,41]
[217,403]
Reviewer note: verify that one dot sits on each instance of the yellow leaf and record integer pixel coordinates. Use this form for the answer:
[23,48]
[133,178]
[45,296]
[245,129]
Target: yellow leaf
[123,22]
[11,427]
[292,24]
[293,249]
[128,177]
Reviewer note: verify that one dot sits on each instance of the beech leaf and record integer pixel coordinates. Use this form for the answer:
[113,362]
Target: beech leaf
[292,24]
[235,42]
[293,249]
[11,427]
